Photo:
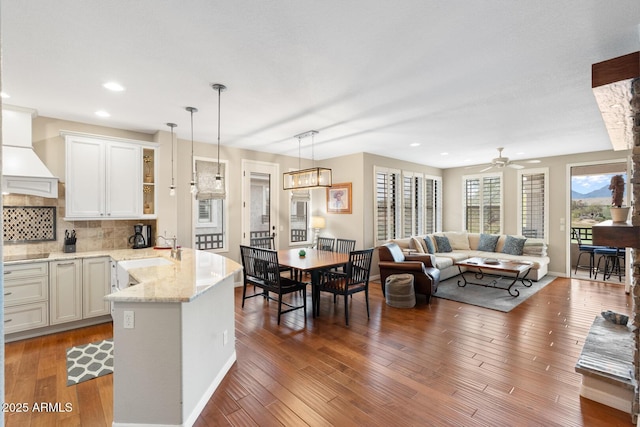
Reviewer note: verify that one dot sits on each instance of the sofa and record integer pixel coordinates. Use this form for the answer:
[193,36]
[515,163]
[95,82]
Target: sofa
[463,245]
[392,260]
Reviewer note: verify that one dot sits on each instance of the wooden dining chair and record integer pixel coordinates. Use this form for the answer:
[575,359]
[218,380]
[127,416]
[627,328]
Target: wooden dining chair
[261,269]
[345,246]
[262,242]
[269,243]
[355,279]
[326,244]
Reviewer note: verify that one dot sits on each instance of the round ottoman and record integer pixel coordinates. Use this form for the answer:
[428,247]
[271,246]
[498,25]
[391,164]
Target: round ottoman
[399,292]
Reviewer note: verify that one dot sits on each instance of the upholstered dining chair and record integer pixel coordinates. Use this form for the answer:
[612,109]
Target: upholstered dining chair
[326,244]
[261,269]
[355,279]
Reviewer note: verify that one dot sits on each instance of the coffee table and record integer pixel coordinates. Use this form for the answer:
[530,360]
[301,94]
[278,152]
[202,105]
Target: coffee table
[494,270]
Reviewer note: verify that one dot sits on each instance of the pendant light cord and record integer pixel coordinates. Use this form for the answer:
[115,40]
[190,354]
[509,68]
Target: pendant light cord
[219,90]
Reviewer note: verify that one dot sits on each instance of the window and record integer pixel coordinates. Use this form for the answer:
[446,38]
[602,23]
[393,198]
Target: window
[432,205]
[412,203]
[210,222]
[407,204]
[387,210]
[420,204]
[299,219]
[533,206]
[483,203]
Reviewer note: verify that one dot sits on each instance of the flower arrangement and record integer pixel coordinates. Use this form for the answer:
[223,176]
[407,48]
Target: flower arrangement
[617,190]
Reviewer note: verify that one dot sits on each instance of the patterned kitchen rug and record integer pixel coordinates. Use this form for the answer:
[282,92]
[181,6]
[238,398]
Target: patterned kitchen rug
[89,361]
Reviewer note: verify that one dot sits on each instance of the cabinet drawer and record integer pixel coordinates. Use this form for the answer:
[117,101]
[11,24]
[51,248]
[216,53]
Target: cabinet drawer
[27,290]
[26,316]
[17,271]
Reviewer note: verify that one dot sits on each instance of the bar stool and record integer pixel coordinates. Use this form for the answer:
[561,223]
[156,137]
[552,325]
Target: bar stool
[585,250]
[612,262]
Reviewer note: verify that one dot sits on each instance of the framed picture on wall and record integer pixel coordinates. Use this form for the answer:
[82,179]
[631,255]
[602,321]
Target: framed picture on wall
[339,198]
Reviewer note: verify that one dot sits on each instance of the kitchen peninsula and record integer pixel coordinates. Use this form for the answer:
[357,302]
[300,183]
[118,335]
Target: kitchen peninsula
[173,338]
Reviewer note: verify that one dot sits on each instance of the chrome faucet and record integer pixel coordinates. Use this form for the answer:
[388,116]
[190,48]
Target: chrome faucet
[176,252]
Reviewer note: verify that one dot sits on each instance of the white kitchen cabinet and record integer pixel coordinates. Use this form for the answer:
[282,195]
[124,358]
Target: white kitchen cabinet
[65,286]
[104,178]
[96,283]
[26,295]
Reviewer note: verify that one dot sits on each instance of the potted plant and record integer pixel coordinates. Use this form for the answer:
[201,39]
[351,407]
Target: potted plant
[618,213]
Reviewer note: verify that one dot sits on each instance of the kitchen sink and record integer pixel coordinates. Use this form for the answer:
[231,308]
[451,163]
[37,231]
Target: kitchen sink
[143,262]
[122,279]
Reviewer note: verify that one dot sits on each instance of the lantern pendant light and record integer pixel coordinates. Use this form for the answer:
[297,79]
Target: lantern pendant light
[172,188]
[219,191]
[194,188]
[314,177]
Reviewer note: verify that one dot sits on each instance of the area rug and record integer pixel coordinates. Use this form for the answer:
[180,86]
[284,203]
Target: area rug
[493,298]
[89,361]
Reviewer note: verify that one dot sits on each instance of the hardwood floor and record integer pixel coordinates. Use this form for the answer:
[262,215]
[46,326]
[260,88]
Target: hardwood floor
[440,364]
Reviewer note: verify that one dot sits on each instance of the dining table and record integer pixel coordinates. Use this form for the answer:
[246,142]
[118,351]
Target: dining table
[313,262]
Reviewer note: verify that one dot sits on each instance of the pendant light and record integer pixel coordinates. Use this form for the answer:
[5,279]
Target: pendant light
[307,178]
[194,188]
[218,191]
[172,188]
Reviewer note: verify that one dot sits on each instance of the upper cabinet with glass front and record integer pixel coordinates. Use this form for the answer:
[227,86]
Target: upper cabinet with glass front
[108,178]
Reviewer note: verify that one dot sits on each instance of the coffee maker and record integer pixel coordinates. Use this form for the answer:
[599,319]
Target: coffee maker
[141,236]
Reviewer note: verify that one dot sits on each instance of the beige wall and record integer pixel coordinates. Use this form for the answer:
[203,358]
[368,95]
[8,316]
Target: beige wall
[175,217]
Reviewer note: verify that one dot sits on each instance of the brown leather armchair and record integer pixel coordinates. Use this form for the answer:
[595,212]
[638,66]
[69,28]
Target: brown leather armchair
[421,266]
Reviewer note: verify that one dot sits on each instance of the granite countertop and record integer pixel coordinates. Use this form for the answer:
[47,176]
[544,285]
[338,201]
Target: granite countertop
[181,281]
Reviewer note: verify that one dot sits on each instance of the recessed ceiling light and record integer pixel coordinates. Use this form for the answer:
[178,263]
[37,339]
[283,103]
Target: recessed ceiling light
[113,86]
[4,95]
[414,144]
[102,113]
[444,154]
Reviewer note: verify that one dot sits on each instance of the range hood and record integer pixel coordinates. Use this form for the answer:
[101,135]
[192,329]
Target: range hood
[22,170]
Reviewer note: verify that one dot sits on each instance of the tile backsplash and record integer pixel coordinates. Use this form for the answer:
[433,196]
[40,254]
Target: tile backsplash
[28,224]
[91,235]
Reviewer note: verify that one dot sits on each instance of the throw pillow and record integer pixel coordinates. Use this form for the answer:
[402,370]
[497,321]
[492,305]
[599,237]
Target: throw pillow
[458,240]
[443,244]
[429,243]
[417,245]
[513,245]
[488,242]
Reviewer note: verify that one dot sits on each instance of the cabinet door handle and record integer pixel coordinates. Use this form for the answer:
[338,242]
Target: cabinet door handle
[7,320]
[66,263]
[7,272]
[8,293]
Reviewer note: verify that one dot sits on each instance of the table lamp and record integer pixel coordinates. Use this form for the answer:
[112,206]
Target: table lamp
[317,222]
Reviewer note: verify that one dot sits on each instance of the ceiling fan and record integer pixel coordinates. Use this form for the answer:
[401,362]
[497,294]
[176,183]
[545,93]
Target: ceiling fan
[504,162]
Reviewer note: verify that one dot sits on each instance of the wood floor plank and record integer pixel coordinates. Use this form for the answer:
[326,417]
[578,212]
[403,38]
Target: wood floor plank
[441,364]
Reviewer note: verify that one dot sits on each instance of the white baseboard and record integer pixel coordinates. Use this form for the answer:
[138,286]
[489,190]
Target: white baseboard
[606,393]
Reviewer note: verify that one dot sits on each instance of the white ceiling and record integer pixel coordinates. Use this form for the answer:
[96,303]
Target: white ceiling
[462,77]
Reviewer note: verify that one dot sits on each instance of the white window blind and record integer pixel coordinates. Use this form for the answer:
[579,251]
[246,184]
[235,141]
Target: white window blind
[483,204]
[533,203]
[387,204]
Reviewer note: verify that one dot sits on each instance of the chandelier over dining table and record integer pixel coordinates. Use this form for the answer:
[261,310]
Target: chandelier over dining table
[314,177]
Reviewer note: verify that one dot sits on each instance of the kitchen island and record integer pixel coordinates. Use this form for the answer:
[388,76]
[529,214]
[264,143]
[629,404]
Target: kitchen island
[174,339]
